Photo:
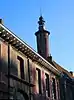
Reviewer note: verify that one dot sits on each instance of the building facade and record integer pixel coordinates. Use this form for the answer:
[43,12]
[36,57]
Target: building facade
[24,73]
[66,82]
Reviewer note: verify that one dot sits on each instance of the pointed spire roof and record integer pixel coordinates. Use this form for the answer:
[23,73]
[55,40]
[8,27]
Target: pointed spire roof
[41,23]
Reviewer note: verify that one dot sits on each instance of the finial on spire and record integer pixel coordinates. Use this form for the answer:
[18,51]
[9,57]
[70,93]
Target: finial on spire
[40,12]
[41,23]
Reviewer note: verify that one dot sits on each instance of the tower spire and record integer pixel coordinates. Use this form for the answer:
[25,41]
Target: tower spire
[41,23]
[42,36]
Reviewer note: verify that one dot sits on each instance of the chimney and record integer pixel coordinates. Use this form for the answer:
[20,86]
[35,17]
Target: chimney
[1,21]
[49,58]
[72,73]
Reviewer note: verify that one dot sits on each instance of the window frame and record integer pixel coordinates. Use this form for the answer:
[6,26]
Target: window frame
[47,83]
[54,87]
[20,59]
[39,80]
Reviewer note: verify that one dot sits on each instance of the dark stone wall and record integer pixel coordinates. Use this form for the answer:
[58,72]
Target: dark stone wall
[66,88]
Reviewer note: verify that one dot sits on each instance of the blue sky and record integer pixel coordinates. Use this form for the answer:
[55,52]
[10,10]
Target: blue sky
[21,17]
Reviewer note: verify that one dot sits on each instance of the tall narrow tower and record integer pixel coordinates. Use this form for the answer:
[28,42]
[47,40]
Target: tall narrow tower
[42,36]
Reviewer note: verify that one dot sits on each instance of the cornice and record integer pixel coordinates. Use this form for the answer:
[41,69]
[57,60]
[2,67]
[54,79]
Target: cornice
[21,46]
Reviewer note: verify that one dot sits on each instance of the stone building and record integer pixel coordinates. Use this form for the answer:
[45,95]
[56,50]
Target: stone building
[66,81]
[26,74]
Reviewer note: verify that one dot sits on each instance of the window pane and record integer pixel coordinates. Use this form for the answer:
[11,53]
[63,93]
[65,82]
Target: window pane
[47,85]
[53,88]
[38,79]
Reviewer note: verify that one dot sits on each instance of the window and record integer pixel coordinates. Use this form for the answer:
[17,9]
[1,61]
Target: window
[38,80]
[21,67]
[47,85]
[58,90]
[53,89]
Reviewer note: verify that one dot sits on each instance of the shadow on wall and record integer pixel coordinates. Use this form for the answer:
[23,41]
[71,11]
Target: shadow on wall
[24,95]
[40,97]
[4,73]
[4,67]
[4,79]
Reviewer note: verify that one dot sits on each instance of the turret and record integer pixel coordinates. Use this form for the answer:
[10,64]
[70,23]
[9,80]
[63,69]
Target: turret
[42,36]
